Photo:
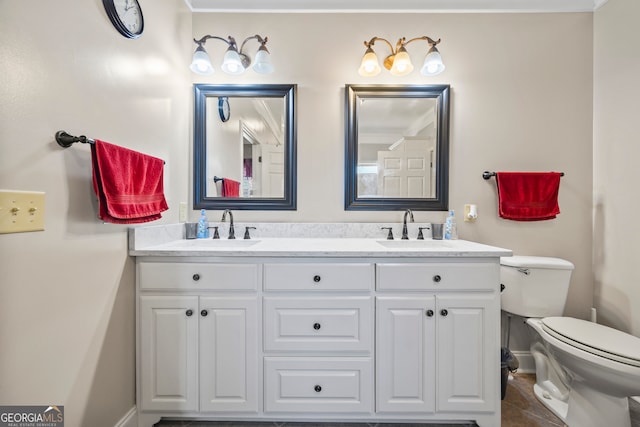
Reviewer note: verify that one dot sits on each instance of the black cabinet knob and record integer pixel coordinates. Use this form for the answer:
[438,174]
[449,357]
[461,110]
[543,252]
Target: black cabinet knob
[429,313]
[444,312]
[437,278]
[318,389]
[316,278]
[189,313]
[316,326]
[502,286]
[204,313]
[196,277]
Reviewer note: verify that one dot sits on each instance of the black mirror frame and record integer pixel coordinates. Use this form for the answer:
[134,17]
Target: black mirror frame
[351,200]
[200,199]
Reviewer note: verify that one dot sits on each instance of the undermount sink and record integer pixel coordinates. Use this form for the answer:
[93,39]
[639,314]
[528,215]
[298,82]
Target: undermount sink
[414,244]
[216,243]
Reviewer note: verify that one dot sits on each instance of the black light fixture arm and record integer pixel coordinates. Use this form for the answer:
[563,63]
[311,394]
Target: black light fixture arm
[262,41]
[231,42]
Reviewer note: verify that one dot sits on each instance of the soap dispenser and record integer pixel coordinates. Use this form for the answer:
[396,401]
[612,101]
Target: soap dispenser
[203,226]
[450,226]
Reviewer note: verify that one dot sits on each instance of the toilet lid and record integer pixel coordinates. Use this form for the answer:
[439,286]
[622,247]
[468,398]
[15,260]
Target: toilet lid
[594,338]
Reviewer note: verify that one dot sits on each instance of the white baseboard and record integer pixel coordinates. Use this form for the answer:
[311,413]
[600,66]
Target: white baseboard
[130,419]
[525,359]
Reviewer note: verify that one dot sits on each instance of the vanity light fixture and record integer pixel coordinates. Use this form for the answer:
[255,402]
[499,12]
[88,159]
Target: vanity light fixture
[398,62]
[235,61]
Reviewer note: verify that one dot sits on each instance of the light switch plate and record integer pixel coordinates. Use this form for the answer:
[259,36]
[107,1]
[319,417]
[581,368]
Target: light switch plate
[21,211]
[183,212]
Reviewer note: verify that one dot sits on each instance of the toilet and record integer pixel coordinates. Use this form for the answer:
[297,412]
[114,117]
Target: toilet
[585,372]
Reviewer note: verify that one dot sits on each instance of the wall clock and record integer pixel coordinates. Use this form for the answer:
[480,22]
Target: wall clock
[126,16]
[223,108]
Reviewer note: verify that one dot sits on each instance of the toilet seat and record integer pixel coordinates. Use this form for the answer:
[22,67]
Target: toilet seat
[595,338]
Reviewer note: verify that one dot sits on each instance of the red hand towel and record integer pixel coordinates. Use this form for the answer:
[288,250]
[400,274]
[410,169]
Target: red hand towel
[230,188]
[528,196]
[129,184]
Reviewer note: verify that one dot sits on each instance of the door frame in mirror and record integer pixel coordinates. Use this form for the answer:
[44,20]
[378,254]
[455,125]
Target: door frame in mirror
[438,203]
[204,91]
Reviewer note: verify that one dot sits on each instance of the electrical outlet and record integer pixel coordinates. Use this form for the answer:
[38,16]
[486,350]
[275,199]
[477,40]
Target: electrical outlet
[182,214]
[21,211]
[470,213]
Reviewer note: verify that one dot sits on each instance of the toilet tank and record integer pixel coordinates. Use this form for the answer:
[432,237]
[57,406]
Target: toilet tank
[534,286]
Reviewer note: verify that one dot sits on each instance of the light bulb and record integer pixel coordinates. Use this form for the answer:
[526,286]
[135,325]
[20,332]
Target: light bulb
[369,66]
[201,64]
[232,63]
[401,63]
[433,64]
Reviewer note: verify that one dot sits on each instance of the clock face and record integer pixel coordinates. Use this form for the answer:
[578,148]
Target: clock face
[223,108]
[126,16]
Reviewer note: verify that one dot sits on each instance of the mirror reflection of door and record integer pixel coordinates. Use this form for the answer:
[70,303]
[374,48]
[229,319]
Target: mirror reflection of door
[396,147]
[247,149]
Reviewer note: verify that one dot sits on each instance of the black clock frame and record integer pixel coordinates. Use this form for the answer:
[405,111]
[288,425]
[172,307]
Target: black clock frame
[110,8]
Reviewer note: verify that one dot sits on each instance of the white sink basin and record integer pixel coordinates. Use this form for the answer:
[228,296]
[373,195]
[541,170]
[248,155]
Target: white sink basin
[414,244]
[216,243]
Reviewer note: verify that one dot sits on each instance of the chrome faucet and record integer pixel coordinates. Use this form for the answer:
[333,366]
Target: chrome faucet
[232,233]
[405,233]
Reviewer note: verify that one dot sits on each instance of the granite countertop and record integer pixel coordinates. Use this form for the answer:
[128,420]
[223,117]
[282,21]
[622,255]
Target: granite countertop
[169,241]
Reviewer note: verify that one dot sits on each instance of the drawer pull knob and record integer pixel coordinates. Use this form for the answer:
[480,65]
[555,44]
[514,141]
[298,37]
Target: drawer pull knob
[196,277]
[444,312]
[429,313]
[318,389]
[437,278]
[316,278]
[204,313]
[189,313]
[316,326]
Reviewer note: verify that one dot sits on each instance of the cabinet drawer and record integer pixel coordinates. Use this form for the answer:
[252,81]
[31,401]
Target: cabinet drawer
[320,276]
[438,276]
[314,384]
[318,324]
[153,275]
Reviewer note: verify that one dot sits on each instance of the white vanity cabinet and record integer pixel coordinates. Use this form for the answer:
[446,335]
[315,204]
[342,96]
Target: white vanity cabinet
[198,338]
[322,335]
[318,338]
[436,337]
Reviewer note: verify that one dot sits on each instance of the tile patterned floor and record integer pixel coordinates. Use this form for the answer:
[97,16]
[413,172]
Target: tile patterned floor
[520,408]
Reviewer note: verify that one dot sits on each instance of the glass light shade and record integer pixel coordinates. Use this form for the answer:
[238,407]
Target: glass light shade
[232,63]
[201,64]
[262,62]
[433,64]
[401,63]
[369,66]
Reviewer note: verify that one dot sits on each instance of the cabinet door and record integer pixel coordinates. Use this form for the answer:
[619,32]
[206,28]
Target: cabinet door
[168,352]
[405,354]
[468,352]
[228,354]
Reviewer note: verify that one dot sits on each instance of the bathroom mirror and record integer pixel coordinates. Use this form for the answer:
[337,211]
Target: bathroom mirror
[397,147]
[244,147]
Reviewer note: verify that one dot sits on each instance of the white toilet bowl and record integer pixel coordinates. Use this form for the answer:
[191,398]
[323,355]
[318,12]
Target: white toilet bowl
[585,372]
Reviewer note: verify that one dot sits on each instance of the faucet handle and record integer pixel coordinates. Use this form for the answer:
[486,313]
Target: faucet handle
[420,236]
[216,235]
[246,232]
[390,235]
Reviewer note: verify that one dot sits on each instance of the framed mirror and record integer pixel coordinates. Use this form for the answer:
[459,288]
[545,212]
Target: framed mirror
[244,152]
[397,147]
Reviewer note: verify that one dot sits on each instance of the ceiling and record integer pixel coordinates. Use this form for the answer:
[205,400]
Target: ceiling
[394,6]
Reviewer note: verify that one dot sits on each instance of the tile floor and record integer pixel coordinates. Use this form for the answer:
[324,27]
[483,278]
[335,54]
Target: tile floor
[520,408]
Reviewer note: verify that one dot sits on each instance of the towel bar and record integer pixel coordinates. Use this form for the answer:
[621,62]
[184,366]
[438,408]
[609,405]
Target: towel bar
[487,174]
[65,140]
